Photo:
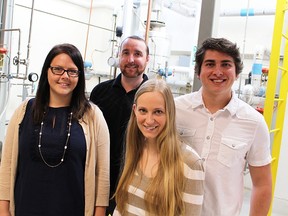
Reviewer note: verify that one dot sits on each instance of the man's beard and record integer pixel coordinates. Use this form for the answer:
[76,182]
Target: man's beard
[134,74]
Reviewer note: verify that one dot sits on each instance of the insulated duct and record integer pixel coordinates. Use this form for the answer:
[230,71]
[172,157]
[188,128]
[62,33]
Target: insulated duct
[248,12]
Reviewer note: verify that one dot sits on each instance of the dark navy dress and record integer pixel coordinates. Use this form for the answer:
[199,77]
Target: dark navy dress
[39,189]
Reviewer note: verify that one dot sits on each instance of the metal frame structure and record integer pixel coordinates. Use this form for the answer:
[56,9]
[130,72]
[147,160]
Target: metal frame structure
[275,102]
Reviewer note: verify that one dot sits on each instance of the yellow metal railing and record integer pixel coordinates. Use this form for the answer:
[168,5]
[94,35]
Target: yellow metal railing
[274,108]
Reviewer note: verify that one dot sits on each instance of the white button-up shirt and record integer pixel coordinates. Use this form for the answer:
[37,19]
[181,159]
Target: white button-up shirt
[225,140]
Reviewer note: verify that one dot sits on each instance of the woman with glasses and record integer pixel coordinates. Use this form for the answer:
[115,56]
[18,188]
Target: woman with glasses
[55,158]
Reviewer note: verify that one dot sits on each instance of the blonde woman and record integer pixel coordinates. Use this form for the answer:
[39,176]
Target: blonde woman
[161,175]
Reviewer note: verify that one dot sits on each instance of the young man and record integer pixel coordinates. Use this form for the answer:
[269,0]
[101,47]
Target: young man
[226,132]
[115,98]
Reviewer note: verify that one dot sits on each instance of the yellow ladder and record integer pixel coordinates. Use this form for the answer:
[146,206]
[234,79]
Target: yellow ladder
[274,107]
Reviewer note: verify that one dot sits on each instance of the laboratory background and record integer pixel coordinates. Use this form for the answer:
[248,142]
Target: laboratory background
[172,29]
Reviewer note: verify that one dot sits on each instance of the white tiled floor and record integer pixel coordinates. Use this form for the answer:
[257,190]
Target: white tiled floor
[280,206]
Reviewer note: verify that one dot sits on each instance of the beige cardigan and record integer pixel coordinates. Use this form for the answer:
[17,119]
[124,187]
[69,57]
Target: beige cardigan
[97,159]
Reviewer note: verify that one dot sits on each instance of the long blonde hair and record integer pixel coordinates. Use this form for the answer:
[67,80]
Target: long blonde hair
[164,194]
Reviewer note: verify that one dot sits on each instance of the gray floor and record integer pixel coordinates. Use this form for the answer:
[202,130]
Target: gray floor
[280,206]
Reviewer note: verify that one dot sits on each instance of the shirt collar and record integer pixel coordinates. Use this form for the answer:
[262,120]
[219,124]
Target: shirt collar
[117,81]
[233,104]
[197,101]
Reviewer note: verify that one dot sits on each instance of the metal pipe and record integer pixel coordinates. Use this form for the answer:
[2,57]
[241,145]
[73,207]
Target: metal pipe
[2,18]
[181,9]
[29,40]
[244,43]
[248,12]
[113,44]
[6,102]
[19,43]
[85,4]
[148,21]
[127,21]
[88,29]
[187,3]
[66,18]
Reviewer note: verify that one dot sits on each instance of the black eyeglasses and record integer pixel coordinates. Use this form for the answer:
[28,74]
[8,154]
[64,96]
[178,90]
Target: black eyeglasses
[61,71]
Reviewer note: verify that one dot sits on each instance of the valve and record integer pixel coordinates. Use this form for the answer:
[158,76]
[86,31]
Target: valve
[17,61]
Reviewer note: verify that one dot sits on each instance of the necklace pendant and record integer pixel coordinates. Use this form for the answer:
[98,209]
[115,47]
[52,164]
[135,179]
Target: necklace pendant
[65,146]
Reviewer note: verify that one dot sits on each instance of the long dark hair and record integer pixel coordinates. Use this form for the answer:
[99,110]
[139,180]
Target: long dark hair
[79,103]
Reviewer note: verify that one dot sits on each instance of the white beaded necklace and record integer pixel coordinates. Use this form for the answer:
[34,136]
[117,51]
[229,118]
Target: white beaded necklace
[65,146]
